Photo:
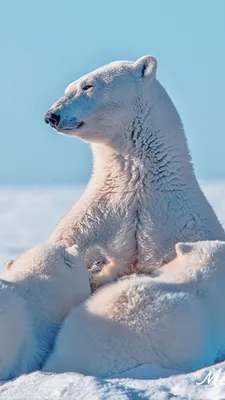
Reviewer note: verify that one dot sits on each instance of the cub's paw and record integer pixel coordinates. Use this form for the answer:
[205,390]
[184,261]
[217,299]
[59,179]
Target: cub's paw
[99,279]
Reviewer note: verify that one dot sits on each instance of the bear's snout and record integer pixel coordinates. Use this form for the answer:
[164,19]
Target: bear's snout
[52,119]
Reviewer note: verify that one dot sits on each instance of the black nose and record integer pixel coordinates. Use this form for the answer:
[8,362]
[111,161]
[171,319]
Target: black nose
[52,119]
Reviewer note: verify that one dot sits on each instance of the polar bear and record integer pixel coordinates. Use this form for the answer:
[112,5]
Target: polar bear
[176,323]
[143,196]
[36,293]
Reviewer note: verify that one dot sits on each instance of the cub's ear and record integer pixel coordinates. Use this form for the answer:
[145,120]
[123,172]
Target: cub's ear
[8,264]
[146,66]
[184,248]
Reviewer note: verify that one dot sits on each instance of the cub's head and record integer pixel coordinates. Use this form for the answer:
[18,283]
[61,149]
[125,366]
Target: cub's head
[102,104]
[201,254]
[55,271]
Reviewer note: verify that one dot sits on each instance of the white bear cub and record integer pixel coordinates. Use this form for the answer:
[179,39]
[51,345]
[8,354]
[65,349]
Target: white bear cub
[36,292]
[172,321]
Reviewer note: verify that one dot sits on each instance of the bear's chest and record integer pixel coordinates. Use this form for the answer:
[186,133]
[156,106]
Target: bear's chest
[137,229]
[144,222]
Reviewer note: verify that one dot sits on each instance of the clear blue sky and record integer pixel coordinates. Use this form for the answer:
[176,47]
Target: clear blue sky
[46,44]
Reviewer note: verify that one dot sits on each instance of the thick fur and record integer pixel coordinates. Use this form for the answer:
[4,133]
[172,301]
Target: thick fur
[36,293]
[175,322]
[143,196]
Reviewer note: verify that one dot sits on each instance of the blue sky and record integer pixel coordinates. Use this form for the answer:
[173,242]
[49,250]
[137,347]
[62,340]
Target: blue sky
[46,44]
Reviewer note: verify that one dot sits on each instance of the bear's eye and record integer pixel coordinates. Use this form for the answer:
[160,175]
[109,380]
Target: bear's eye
[87,87]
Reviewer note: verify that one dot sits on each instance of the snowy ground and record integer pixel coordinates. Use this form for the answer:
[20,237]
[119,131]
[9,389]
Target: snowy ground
[27,216]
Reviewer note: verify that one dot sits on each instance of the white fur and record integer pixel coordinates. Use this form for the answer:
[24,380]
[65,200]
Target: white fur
[143,196]
[36,293]
[178,324]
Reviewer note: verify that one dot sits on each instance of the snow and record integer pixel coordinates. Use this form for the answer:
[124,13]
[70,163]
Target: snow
[27,216]
[71,386]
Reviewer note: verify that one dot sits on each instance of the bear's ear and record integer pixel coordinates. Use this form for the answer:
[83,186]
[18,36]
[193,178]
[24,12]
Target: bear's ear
[8,264]
[146,66]
[184,248]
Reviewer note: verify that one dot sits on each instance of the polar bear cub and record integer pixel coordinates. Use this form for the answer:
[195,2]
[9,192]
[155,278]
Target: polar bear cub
[36,293]
[175,322]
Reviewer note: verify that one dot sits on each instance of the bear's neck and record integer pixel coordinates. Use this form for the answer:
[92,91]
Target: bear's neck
[44,315]
[38,330]
[153,175]
[152,149]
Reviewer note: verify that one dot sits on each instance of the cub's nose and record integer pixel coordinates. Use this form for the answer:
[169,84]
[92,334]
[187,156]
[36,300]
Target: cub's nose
[52,119]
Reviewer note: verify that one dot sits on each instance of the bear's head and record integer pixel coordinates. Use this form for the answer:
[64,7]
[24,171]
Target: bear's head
[55,274]
[103,104]
[194,261]
[201,254]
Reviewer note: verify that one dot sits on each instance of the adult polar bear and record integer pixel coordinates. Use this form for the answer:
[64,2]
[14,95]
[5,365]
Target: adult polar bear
[143,196]
[174,322]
